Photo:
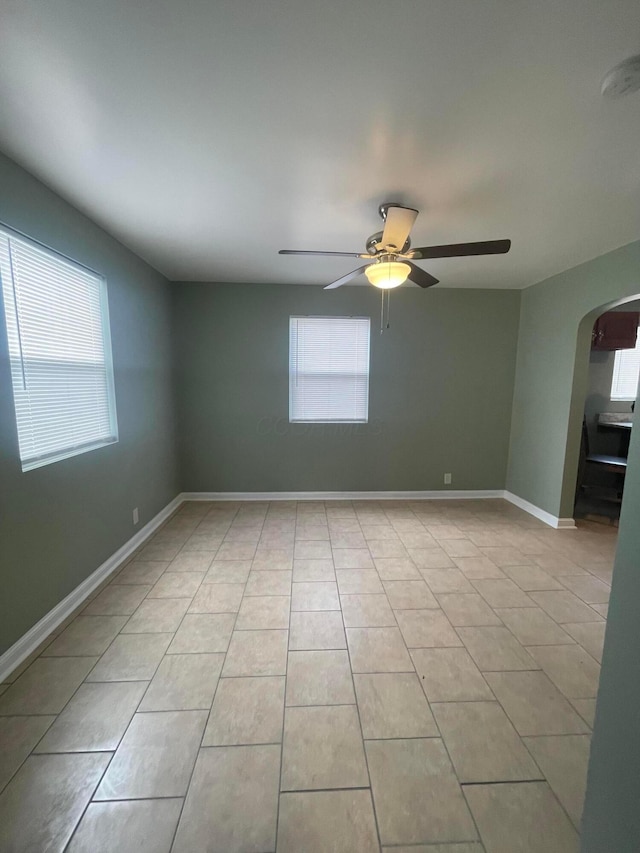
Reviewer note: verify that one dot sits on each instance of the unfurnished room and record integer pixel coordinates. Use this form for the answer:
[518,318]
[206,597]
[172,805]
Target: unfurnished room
[319,481]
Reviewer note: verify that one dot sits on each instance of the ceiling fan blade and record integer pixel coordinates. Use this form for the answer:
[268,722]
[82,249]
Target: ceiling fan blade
[345,278]
[335,254]
[397,226]
[418,276]
[458,250]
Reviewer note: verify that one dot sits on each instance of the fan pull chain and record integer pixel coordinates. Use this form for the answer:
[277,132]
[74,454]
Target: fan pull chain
[382,325]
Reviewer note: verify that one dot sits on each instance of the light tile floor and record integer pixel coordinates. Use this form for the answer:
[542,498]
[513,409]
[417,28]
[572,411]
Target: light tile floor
[310,677]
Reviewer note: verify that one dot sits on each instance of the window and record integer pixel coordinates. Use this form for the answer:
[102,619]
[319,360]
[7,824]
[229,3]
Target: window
[59,351]
[329,369]
[626,369]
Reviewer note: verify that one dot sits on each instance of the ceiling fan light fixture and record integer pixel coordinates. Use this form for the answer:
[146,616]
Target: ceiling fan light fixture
[387,274]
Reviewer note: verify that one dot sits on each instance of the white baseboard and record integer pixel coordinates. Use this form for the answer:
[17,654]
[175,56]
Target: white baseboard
[543,515]
[28,643]
[343,496]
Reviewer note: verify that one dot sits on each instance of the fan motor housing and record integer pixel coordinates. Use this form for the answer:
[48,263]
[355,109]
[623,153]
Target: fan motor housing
[375,246]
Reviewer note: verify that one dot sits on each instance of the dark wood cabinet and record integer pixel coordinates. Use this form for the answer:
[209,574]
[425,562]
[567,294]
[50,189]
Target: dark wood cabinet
[615,330]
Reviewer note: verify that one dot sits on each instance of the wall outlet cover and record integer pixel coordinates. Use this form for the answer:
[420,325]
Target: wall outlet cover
[135,516]
[447,479]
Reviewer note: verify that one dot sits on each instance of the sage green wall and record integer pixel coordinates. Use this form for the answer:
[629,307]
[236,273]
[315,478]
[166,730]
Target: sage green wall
[441,381]
[556,317]
[611,820]
[58,523]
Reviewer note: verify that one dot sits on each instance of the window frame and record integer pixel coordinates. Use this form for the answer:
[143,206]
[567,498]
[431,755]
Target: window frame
[618,355]
[32,463]
[354,421]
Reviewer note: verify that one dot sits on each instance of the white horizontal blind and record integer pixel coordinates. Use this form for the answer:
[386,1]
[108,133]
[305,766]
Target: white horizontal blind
[329,369]
[626,369]
[57,328]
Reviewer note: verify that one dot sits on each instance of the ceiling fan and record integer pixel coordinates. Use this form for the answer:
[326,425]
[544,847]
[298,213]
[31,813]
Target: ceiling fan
[390,254]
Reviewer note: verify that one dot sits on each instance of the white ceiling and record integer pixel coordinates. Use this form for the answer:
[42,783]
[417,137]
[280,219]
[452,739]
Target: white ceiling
[208,134]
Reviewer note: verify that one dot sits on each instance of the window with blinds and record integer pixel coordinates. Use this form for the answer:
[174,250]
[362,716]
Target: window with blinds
[626,369]
[329,369]
[59,351]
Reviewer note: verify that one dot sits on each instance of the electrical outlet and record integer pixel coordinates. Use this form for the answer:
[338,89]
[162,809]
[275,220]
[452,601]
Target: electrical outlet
[135,516]
[447,479]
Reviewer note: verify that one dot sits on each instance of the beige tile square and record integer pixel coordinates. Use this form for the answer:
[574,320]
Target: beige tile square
[183,683]
[352,558]
[502,592]
[217,598]
[18,736]
[269,583]
[157,551]
[450,675]
[263,612]
[312,551]
[317,821]
[564,607]
[564,762]
[521,818]
[243,533]
[531,578]
[367,611]
[534,705]
[273,560]
[237,551]
[378,650]
[246,711]
[320,595]
[117,600]
[467,609]
[478,568]
[387,548]
[496,649]
[589,589]
[558,565]
[157,616]
[202,633]
[177,585]
[503,555]
[256,653]
[143,826]
[418,539]
[206,542]
[590,635]
[352,581]
[140,573]
[319,678]
[410,595]
[46,686]
[227,781]
[379,531]
[586,708]
[95,719]
[601,609]
[396,569]
[446,580]
[228,571]
[416,794]
[192,561]
[460,548]
[44,801]
[348,539]
[426,628]
[532,627]
[131,657]
[322,748]
[319,629]
[431,558]
[313,570]
[86,636]
[393,705]
[155,758]
[573,671]
[482,743]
